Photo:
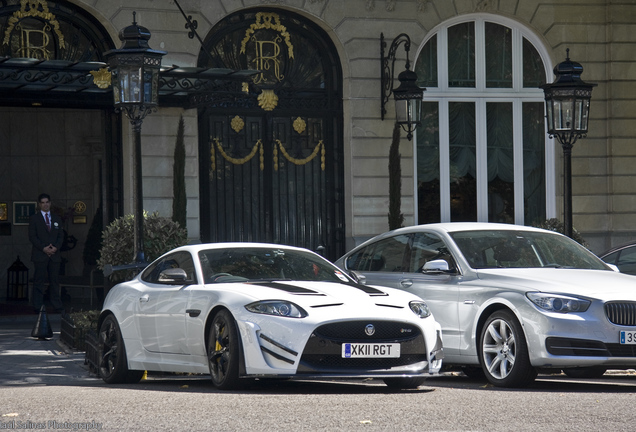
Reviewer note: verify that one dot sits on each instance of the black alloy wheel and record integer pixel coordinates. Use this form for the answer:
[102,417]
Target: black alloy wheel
[113,364]
[223,352]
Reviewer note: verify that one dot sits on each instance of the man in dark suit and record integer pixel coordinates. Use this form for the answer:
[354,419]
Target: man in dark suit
[46,235]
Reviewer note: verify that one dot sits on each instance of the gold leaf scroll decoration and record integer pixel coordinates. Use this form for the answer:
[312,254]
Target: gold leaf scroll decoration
[101,78]
[319,147]
[267,100]
[236,161]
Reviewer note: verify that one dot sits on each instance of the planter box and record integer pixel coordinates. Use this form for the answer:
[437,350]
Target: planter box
[92,354]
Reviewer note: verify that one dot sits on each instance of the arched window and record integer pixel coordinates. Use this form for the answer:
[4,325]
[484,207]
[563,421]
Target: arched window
[481,147]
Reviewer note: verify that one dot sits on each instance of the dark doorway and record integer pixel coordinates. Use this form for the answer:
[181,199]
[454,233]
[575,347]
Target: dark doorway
[271,151]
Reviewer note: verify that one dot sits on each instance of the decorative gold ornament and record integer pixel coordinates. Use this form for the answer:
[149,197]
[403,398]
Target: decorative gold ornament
[36,9]
[101,78]
[300,125]
[237,124]
[267,47]
[267,100]
[319,147]
[268,20]
[236,161]
[79,207]
[245,87]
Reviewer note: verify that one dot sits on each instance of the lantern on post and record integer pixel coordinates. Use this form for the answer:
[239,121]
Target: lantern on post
[408,96]
[135,79]
[567,102]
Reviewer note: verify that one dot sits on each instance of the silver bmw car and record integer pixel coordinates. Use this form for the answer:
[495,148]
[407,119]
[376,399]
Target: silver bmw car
[510,299]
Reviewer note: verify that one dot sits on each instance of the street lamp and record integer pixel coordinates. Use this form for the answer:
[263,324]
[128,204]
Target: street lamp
[408,96]
[135,79]
[567,102]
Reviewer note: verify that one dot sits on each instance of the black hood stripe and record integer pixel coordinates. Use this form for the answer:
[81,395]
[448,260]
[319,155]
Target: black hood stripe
[294,289]
[286,287]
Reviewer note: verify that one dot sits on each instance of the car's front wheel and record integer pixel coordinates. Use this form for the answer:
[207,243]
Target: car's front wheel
[223,352]
[113,364]
[503,351]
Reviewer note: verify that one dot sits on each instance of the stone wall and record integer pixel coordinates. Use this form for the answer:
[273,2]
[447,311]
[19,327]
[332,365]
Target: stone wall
[599,34]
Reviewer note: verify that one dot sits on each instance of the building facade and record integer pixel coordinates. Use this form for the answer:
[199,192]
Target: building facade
[298,153]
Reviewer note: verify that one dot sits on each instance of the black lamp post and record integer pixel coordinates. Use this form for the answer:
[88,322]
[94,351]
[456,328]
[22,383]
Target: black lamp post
[567,102]
[135,79]
[408,96]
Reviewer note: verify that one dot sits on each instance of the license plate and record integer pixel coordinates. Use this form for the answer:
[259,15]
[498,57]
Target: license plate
[370,350]
[628,337]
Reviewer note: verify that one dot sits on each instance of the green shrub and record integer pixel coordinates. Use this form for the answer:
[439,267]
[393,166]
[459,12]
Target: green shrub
[85,320]
[161,234]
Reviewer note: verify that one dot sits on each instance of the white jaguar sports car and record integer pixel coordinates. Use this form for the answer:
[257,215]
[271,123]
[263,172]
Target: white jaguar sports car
[246,310]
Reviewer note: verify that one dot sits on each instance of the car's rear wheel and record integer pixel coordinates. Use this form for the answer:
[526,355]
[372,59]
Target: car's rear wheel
[223,351]
[404,383]
[113,365]
[585,372]
[503,351]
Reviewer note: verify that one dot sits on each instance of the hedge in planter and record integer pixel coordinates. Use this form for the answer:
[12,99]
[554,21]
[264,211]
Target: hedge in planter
[75,327]
[161,234]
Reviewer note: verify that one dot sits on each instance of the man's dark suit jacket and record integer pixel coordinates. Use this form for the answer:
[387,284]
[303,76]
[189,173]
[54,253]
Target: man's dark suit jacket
[40,237]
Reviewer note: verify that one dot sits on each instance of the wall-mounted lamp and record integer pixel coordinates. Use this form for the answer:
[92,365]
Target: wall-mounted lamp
[408,96]
[567,102]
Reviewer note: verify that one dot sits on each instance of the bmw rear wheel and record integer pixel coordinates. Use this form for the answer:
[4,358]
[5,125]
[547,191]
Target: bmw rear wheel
[503,351]
[223,352]
[113,365]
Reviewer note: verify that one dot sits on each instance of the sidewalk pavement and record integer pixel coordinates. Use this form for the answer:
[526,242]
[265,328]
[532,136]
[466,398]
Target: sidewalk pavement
[25,360]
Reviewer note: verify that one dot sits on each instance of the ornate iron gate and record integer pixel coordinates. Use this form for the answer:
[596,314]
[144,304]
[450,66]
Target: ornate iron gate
[271,150]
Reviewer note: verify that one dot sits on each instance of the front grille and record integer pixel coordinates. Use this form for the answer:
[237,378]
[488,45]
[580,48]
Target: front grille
[353,331]
[323,352]
[621,313]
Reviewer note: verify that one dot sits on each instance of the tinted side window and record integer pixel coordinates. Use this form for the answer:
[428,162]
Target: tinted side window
[181,260]
[611,258]
[386,255]
[627,260]
[428,247]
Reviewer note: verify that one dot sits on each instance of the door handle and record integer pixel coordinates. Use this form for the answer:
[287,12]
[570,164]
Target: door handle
[406,283]
[144,298]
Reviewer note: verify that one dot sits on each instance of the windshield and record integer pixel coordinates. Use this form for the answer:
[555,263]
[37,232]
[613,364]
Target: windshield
[523,249]
[247,264]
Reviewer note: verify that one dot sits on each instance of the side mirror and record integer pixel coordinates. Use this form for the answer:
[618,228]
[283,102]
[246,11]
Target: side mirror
[436,267]
[358,277]
[173,276]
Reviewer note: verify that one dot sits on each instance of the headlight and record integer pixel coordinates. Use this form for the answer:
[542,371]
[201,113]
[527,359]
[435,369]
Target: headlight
[277,307]
[420,308]
[558,303]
